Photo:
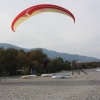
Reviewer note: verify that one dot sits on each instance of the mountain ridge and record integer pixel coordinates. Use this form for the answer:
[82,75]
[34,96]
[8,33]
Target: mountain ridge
[53,54]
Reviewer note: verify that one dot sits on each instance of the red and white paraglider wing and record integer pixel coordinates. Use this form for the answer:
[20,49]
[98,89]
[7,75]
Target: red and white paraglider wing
[39,9]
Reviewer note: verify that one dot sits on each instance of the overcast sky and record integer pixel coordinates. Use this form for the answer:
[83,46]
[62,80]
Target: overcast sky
[54,31]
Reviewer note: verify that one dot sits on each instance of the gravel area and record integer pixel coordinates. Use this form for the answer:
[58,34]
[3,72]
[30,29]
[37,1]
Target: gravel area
[78,87]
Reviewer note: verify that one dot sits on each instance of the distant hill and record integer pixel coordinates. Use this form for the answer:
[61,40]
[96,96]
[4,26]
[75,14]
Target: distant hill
[53,54]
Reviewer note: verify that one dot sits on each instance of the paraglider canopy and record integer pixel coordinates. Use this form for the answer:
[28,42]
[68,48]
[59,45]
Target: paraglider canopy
[31,11]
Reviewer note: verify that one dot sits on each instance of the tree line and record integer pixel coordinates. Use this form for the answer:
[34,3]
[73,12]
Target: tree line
[12,60]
